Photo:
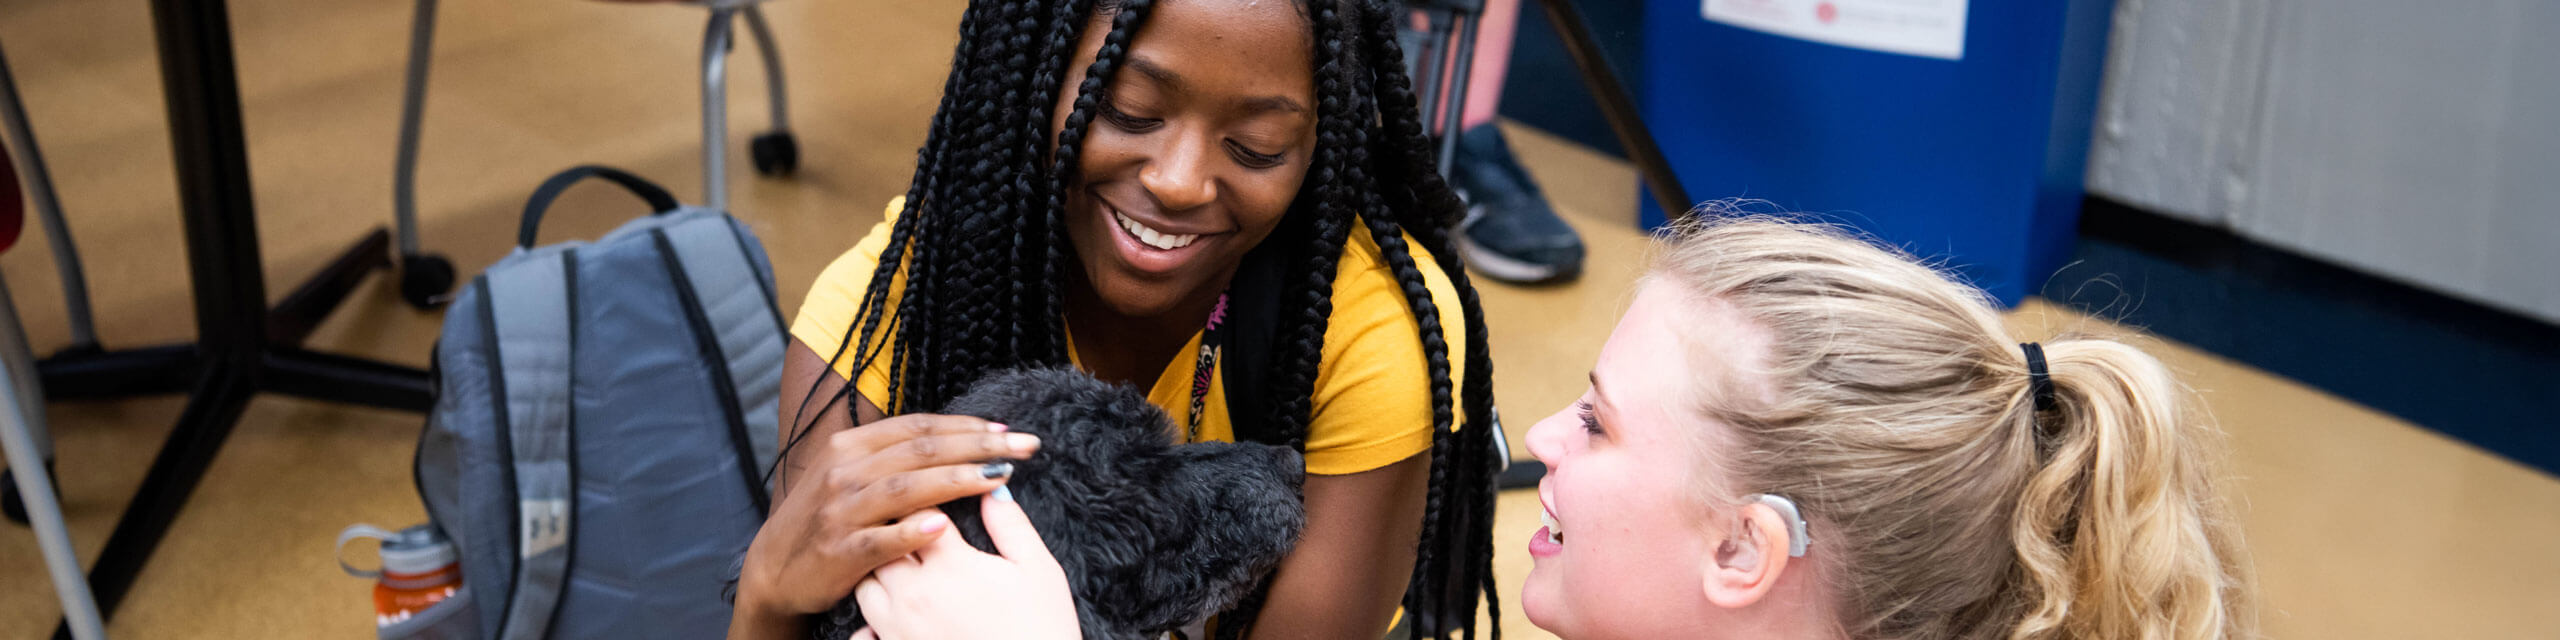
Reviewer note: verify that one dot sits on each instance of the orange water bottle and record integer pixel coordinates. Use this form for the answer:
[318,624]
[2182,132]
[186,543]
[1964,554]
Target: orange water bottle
[419,569]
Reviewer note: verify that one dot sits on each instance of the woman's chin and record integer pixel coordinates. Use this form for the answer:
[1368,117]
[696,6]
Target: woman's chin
[1540,601]
[1136,302]
[1127,295]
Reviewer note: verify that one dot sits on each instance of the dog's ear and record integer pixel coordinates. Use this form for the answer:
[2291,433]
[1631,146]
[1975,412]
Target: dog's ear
[1260,485]
[1243,503]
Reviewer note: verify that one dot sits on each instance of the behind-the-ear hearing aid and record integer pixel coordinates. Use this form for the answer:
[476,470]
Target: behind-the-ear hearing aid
[1798,538]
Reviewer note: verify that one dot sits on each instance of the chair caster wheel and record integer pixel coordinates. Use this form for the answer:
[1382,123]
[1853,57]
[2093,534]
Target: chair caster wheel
[425,279]
[776,153]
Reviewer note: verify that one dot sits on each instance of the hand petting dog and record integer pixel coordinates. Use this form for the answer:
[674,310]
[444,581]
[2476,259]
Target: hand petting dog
[1141,535]
[869,499]
[952,590]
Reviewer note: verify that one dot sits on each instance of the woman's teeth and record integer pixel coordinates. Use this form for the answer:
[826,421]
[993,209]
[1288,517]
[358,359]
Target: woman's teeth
[1555,530]
[1151,237]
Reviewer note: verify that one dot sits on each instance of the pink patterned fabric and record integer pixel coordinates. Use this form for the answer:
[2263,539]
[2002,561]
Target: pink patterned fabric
[1206,371]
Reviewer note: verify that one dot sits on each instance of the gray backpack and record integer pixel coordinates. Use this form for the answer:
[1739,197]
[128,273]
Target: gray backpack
[604,415]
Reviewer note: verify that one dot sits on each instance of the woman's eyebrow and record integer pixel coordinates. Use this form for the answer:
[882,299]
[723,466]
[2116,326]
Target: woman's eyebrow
[1172,83]
[1267,104]
[1166,78]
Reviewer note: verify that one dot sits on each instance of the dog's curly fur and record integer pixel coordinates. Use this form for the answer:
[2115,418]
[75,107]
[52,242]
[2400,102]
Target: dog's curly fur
[1152,535]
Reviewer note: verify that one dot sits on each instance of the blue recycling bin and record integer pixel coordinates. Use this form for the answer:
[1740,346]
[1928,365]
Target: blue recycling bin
[1956,129]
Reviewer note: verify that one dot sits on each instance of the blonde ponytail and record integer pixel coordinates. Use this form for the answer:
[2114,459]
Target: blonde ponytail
[1902,419]
[2121,532]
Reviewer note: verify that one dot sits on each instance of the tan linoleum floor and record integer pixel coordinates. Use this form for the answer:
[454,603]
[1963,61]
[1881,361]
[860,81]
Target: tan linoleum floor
[2363,526]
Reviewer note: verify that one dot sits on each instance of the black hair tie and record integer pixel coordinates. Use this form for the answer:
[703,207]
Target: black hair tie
[2038,381]
[2040,387]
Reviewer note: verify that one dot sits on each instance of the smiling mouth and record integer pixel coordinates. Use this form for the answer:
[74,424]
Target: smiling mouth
[1151,237]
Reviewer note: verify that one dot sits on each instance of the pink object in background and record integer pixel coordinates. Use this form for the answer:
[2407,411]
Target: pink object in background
[1493,59]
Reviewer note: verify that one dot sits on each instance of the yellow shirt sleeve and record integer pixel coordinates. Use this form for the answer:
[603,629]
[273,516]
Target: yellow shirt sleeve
[1372,404]
[834,303]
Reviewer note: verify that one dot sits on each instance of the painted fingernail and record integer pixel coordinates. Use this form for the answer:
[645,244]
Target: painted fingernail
[997,426]
[997,469]
[932,523]
[1004,493]
[1022,442]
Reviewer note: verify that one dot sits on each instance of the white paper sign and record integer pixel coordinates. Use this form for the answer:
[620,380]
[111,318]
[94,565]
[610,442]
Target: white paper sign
[1928,28]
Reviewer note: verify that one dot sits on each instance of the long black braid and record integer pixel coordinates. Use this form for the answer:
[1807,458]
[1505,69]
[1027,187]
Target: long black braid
[1430,210]
[989,172]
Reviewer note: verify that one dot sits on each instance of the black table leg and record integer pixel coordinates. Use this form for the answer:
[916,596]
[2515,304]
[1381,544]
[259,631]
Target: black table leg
[1624,119]
[206,140]
[336,378]
[116,374]
[202,427]
[301,311]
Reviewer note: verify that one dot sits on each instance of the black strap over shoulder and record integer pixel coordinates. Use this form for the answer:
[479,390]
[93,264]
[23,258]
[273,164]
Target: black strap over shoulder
[1252,326]
[659,200]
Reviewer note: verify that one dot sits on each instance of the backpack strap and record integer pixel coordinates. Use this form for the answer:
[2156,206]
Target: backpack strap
[728,299]
[530,307]
[1253,317]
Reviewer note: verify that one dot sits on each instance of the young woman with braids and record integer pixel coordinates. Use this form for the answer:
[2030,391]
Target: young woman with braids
[1795,434]
[1101,179]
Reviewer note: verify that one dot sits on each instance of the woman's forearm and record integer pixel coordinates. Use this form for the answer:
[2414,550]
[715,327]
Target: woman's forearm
[1355,558]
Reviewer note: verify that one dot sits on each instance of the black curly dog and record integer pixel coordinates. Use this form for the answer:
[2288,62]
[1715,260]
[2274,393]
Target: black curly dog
[1153,535]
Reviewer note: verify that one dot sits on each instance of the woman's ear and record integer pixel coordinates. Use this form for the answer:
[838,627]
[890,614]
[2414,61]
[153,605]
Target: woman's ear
[1748,561]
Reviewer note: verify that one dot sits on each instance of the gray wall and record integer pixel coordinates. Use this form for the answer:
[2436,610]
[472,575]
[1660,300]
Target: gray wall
[2414,139]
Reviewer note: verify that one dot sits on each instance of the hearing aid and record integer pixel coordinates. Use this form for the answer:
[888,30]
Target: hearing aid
[1798,537]
[1733,553]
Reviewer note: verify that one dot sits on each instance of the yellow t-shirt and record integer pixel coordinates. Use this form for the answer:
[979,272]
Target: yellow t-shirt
[1372,399]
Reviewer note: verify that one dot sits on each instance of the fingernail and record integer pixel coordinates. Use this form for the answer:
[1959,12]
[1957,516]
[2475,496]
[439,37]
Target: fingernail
[997,426]
[1022,442]
[932,523]
[1004,493]
[997,469]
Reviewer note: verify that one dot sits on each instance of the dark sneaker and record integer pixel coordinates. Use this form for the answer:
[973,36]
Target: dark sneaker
[1510,233]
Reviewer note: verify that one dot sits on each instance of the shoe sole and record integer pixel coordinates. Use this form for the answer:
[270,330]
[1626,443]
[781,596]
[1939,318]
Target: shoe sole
[1507,269]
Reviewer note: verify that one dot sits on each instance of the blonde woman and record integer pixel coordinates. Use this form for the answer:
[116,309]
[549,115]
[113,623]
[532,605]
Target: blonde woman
[1795,434]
